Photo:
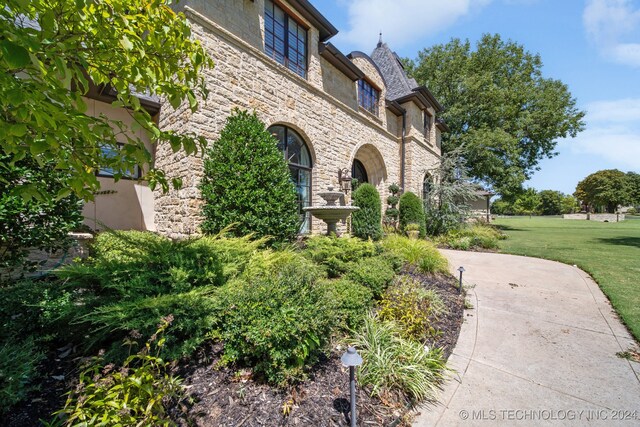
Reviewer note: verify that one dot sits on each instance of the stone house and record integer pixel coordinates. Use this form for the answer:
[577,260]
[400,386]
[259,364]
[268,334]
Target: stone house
[329,111]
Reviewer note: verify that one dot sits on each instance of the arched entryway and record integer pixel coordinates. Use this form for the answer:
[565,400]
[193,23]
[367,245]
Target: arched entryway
[298,156]
[369,166]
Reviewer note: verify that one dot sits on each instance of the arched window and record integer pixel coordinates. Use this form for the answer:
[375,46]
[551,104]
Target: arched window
[297,154]
[427,185]
[359,172]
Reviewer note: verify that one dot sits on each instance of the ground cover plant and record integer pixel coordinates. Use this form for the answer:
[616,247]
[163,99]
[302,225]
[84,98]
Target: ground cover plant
[265,319]
[475,236]
[609,252]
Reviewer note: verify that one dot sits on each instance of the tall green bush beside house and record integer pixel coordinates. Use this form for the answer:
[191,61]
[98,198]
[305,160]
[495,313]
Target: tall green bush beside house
[366,222]
[247,182]
[411,212]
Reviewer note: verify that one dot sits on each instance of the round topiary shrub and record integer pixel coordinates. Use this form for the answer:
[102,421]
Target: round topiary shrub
[247,182]
[412,212]
[367,222]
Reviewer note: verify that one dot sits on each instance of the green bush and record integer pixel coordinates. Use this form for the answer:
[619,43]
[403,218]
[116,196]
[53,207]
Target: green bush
[276,324]
[376,273]
[19,359]
[419,254]
[412,308]
[392,363]
[366,223]
[336,253]
[349,302]
[247,182]
[411,211]
[33,222]
[137,393]
[475,236]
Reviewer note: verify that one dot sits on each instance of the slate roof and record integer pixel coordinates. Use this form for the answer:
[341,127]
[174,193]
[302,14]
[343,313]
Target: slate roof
[398,83]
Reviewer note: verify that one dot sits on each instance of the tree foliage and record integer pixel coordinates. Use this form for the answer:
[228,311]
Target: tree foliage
[247,182]
[527,203]
[551,202]
[33,223]
[498,106]
[53,51]
[367,221]
[608,189]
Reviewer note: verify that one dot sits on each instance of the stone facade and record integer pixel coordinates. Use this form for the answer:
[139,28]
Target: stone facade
[323,108]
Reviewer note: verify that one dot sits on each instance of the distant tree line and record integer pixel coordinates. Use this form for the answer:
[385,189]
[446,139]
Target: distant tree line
[532,202]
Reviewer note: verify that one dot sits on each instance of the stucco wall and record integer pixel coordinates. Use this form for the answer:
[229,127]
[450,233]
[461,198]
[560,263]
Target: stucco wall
[122,205]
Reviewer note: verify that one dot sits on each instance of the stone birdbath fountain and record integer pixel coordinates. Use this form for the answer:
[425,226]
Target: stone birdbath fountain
[331,213]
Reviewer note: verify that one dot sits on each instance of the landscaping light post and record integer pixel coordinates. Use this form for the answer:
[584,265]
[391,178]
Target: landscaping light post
[352,359]
[461,270]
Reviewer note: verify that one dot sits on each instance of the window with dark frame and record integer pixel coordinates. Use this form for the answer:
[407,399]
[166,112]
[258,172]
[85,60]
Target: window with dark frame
[297,155]
[285,40]
[427,125]
[105,172]
[368,96]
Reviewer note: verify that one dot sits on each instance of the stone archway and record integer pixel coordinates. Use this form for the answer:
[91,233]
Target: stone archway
[369,157]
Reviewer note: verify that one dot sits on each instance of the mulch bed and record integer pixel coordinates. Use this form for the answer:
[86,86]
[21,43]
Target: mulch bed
[223,397]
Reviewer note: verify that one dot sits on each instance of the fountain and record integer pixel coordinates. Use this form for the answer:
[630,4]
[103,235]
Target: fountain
[330,212]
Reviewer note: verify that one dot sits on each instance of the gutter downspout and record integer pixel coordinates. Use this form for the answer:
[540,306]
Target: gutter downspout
[403,151]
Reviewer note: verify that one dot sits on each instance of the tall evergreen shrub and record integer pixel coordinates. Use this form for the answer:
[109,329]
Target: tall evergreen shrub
[367,222]
[247,182]
[411,212]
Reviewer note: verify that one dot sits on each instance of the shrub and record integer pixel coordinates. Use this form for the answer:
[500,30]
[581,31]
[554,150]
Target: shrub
[247,182]
[366,223]
[376,273]
[335,253]
[276,324]
[477,236]
[412,307]
[349,302]
[419,254]
[33,222]
[411,211]
[391,362]
[391,214]
[137,393]
[19,359]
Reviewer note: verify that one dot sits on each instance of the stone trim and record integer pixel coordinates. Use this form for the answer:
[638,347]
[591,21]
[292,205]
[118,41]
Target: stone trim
[241,44]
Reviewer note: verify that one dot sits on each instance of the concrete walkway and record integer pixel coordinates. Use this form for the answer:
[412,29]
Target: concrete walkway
[539,348]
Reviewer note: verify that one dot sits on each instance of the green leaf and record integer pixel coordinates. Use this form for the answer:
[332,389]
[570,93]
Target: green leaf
[14,55]
[126,43]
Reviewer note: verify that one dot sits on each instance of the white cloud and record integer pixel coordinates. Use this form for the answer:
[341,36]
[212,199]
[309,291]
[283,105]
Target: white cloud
[400,21]
[613,133]
[614,27]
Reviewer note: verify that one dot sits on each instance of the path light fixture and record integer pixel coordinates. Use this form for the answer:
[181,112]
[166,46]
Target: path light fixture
[461,270]
[352,359]
[344,179]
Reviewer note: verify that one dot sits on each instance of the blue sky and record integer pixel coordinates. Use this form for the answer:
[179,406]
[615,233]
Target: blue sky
[593,46]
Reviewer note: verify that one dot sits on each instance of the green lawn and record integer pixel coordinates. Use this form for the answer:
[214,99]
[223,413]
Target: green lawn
[610,252]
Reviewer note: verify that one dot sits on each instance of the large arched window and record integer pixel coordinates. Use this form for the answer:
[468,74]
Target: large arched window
[297,154]
[427,185]
[359,172]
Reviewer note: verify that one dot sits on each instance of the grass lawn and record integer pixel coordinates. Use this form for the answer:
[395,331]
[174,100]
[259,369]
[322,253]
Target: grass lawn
[610,252]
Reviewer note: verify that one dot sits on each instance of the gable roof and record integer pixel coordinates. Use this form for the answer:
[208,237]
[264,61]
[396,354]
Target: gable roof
[400,87]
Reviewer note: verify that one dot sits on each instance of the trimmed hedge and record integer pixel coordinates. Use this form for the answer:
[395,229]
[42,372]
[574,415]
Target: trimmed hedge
[367,222]
[412,212]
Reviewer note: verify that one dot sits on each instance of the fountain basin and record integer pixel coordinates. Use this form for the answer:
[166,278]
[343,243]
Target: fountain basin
[331,215]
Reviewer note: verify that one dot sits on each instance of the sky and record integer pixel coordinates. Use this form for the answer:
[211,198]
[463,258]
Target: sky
[593,46]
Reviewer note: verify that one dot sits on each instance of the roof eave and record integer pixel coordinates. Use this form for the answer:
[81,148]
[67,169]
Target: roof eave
[311,14]
[394,107]
[340,61]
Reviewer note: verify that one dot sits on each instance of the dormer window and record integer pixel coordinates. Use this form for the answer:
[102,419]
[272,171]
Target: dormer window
[368,96]
[285,39]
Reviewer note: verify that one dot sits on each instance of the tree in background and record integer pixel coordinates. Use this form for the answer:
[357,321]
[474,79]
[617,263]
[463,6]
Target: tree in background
[247,182]
[606,189]
[569,204]
[447,202]
[550,202]
[527,203]
[366,222]
[53,51]
[500,109]
[634,181]
[31,223]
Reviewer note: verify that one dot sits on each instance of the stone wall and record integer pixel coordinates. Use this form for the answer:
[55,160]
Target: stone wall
[245,77]
[596,217]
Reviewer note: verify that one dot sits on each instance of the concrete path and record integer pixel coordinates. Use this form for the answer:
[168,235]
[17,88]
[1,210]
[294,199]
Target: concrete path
[539,348]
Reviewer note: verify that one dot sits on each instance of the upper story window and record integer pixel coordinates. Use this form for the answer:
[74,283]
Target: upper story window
[285,39]
[427,124]
[368,96]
